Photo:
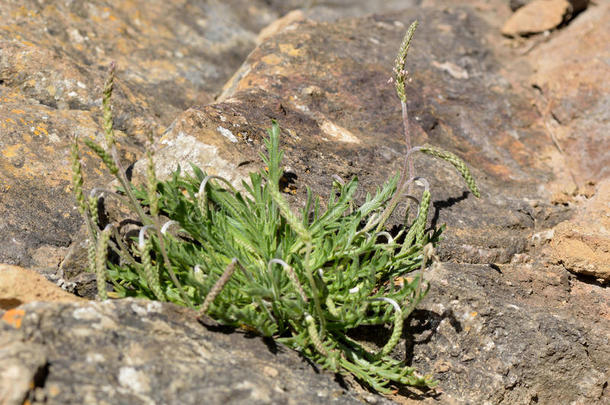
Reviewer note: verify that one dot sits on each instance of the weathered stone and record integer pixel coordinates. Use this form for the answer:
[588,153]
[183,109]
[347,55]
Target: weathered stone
[53,59]
[142,352]
[577,5]
[537,16]
[19,286]
[582,244]
[521,331]
[574,99]
[22,365]
[514,334]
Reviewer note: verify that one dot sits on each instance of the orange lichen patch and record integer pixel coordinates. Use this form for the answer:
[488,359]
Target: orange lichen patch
[289,49]
[11,151]
[14,317]
[16,111]
[24,12]
[271,59]
[40,129]
[500,171]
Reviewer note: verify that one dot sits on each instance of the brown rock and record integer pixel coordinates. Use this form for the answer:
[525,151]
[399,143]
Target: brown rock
[19,286]
[516,334]
[537,16]
[577,5]
[582,244]
[574,100]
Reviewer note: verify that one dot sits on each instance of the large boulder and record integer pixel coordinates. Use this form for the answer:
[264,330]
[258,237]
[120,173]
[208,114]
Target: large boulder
[143,352]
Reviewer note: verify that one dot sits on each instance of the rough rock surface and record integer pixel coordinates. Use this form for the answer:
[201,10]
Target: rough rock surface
[21,367]
[513,334]
[20,286]
[504,323]
[53,62]
[582,244]
[574,93]
[131,352]
[537,16]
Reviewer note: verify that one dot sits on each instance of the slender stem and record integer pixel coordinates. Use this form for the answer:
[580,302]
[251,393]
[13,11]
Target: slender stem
[408,169]
[146,220]
[408,161]
[217,287]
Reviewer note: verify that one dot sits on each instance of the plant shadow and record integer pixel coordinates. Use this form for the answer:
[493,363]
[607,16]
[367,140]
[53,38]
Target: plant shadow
[444,204]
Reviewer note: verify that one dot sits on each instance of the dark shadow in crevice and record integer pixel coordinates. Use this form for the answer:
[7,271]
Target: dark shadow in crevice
[495,267]
[270,343]
[341,381]
[424,322]
[588,279]
[38,381]
[9,303]
[215,326]
[40,378]
[129,171]
[419,395]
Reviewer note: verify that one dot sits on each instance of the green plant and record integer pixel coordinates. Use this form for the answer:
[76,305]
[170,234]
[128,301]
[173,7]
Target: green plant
[246,259]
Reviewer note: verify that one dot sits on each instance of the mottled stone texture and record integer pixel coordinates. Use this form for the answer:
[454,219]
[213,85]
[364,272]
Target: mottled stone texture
[53,62]
[142,352]
[513,334]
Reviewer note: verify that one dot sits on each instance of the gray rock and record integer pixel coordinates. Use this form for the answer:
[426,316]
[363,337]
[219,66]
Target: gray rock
[501,335]
[142,352]
[522,330]
[22,365]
